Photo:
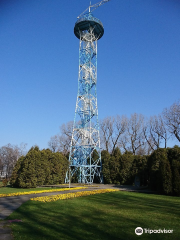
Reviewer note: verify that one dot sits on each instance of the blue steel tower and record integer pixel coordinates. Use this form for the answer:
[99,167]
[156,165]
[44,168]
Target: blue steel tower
[85,153]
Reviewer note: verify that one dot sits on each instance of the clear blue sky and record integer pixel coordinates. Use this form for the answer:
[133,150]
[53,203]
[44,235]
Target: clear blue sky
[138,63]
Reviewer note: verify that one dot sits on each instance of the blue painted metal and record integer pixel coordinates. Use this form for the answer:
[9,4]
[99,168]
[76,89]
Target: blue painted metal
[85,153]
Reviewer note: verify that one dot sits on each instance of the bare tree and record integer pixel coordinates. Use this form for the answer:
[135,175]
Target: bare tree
[155,131]
[135,136]
[66,129]
[124,142]
[158,130]
[149,141]
[54,143]
[1,166]
[106,132]
[148,138]
[22,149]
[171,118]
[119,127]
[9,155]
[65,143]
[61,142]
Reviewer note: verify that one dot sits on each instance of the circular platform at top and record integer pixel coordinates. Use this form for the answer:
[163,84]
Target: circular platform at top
[87,21]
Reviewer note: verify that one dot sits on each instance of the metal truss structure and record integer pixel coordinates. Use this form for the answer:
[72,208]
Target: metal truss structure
[85,154]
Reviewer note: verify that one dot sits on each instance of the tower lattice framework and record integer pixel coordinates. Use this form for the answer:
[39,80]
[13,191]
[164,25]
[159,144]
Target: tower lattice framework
[85,154]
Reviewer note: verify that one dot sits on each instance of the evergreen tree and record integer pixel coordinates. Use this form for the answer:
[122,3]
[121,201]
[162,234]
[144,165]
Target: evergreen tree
[115,166]
[176,177]
[160,171]
[28,175]
[165,177]
[126,162]
[14,181]
[173,154]
[139,168]
[38,168]
[58,168]
[105,157]
[174,159]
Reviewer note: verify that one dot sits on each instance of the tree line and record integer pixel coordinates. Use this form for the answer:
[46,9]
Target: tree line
[134,150]
[137,134]
[160,171]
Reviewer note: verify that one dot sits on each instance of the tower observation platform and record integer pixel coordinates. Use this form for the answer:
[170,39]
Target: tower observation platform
[87,21]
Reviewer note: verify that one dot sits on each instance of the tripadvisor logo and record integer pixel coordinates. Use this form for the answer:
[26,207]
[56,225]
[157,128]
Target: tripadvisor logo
[138,231]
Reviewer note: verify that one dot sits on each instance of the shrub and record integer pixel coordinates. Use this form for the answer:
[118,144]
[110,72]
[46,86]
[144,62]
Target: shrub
[125,173]
[176,177]
[160,171]
[38,168]
[165,177]
[105,157]
[5,182]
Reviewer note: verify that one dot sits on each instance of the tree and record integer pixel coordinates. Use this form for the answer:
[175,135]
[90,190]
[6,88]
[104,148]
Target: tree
[154,132]
[125,172]
[114,166]
[59,166]
[172,119]
[174,159]
[105,157]
[139,168]
[14,181]
[176,177]
[9,155]
[160,171]
[148,137]
[106,132]
[165,176]
[119,126]
[54,143]
[39,167]
[1,165]
[173,154]
[61,142]
[27,177]
[135,136]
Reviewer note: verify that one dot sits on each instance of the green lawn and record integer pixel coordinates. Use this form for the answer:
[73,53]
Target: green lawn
[102,216]
[6,190]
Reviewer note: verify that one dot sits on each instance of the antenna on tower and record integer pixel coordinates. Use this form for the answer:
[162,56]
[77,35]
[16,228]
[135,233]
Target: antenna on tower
[93,7]
[89,7]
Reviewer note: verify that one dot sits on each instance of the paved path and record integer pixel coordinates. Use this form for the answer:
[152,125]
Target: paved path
[5,231]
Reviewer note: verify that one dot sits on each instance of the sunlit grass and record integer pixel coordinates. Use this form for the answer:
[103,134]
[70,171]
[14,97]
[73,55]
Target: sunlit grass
[102,216]
[6,190]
